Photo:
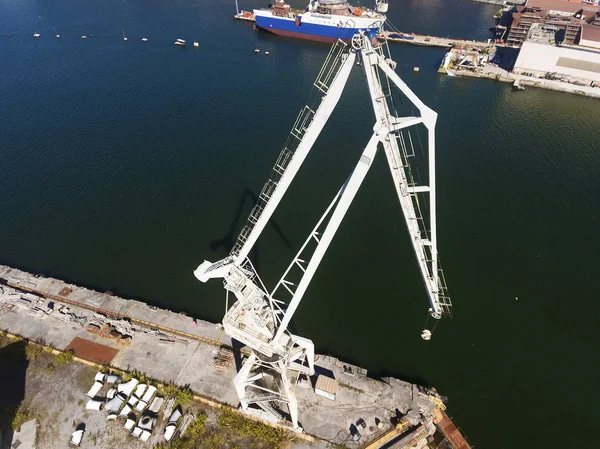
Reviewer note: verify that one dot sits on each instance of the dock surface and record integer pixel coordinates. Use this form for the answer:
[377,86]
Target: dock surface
[173,347]
[431,41]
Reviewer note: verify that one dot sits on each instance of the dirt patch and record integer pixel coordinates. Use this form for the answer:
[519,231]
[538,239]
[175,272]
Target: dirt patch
[94,352]
[65,291]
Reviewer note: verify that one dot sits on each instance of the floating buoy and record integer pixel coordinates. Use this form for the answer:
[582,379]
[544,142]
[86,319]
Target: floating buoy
[257,51]
[36,35]
[144,39]
[426,334]
[196,44]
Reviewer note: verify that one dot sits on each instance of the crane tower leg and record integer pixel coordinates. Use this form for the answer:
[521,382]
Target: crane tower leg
[286,370]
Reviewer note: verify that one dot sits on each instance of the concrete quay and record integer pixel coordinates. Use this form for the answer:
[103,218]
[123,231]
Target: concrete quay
[172,347]
[503,76]
[431,41]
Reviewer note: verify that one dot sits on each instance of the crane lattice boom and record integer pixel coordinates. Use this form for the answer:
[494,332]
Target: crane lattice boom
[260,319]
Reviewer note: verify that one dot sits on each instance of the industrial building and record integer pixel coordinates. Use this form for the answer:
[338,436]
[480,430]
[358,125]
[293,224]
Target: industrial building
[568,17]
[590,32]
[571,63]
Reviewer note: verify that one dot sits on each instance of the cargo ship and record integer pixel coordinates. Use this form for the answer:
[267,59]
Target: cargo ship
[323,20]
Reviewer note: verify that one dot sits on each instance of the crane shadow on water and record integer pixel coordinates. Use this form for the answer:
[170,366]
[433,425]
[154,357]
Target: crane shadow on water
[228,240]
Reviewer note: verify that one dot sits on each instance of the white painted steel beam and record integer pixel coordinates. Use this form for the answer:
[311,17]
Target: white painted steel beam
[345,197]
[371,61]
[328,104]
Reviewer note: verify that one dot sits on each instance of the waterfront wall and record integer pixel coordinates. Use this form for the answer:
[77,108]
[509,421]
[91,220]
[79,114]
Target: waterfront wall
[172,347]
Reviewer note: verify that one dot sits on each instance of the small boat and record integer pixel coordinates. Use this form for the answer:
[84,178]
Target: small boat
[84,37]
[257,51]
[196,44]
[405,36]
[124,37]
[180,42]
[267,53]
[57,35]
[144,39]
[450,73]
[36,35]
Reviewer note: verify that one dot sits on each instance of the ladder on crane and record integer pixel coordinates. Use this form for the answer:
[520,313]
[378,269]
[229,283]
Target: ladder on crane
[259,318]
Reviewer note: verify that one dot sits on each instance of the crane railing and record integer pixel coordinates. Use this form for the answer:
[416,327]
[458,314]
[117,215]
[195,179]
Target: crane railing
[305,118]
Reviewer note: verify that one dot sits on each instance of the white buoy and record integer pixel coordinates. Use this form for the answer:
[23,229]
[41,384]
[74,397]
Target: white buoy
[36,35]
[426,334]
[196,44]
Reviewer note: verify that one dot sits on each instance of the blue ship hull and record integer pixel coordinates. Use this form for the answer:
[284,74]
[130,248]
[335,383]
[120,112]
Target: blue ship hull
[310,31]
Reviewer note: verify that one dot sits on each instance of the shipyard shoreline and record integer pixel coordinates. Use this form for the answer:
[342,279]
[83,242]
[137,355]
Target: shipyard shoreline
[518,80]
[173,347]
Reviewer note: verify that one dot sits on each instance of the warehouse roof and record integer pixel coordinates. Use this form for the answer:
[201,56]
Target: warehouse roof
[590,32]
[562,5]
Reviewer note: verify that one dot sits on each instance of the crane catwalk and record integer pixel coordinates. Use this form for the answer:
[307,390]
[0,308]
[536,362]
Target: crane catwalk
[260,319]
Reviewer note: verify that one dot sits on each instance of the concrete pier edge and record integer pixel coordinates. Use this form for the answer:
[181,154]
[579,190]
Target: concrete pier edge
[208,387]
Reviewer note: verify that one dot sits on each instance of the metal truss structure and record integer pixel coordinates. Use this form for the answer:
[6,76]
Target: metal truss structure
[259,318]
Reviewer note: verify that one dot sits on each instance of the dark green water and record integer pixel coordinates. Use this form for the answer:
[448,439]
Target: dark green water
[124,165]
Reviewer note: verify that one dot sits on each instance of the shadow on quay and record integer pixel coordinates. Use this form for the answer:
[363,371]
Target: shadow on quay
[13,368]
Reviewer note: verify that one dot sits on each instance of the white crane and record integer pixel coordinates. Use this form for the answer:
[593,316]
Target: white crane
[259,318]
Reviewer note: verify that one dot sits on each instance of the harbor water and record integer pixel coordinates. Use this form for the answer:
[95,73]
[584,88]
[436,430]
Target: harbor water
[126,164]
